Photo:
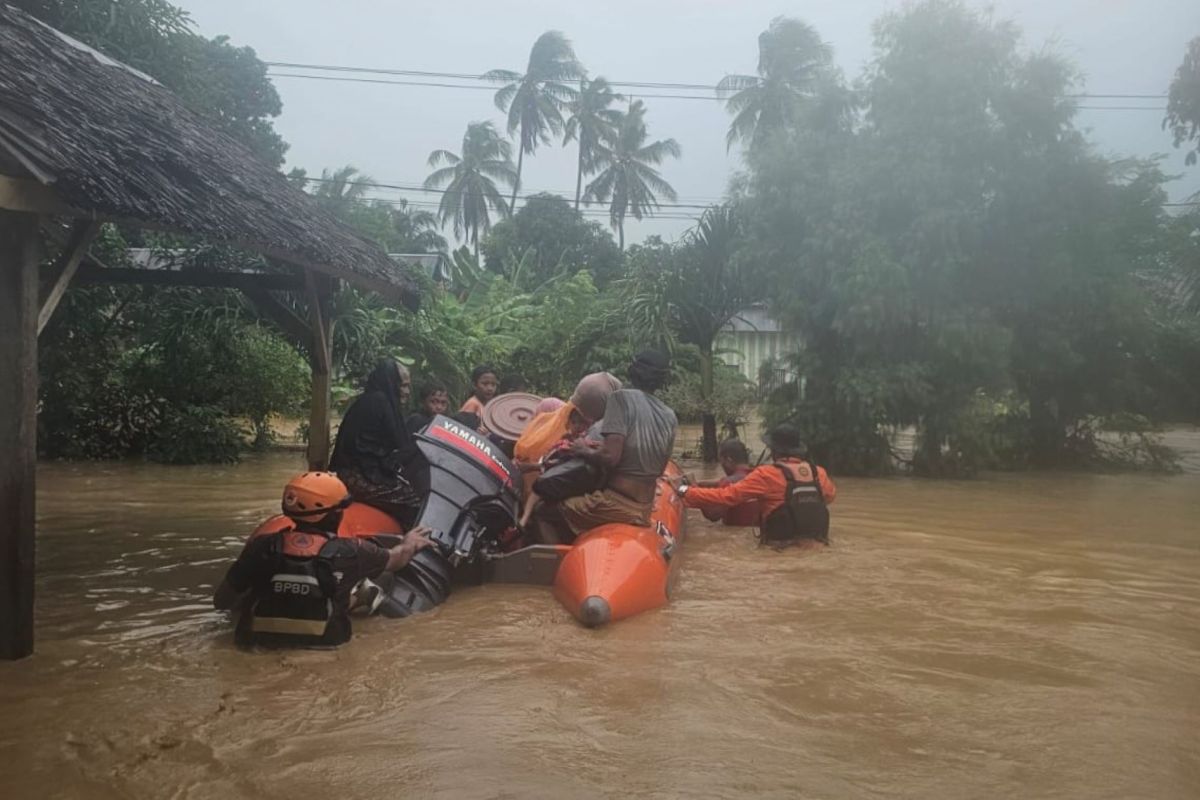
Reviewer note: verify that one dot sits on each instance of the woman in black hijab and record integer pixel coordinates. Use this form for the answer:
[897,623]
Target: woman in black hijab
[375,454]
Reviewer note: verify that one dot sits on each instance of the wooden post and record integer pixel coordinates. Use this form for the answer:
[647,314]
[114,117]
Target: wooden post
[319,358]
[19,251]
[82,235]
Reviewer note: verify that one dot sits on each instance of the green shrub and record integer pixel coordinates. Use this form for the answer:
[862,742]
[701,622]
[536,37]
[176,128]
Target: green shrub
[197,435]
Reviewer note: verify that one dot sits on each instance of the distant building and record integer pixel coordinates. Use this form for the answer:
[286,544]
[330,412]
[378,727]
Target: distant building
[753,339]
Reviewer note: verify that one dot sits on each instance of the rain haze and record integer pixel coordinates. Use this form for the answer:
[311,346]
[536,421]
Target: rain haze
[388,130]
[868,466]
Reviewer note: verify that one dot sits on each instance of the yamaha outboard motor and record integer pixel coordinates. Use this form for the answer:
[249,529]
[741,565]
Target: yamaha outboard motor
[472,500]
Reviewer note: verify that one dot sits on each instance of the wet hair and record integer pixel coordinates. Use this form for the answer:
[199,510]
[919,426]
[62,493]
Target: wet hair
[650,370]
[429,388]
[480,371]
[735,450]
[512,383]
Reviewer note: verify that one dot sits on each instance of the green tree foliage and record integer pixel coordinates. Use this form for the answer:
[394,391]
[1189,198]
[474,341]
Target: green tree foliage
[220,361]
[1183,104]
[225,83]
[574,330]
[793,63]
[471,193]
[196,435]
[959,245]
[627,179]
[592,120]
[339,190]
[548,238]
[552,335]
[729,401]
[688,293]
[396,226]
[231,86]
[129,370]
[536,98]
[1174,369]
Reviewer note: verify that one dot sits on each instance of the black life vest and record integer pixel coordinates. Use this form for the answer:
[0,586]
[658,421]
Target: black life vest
[294,594]
[803,514]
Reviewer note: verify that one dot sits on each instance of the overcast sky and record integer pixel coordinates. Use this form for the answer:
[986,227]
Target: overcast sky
[1121,46]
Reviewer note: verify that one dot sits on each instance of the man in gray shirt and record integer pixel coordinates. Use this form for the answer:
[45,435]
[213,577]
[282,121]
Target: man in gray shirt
[638,433]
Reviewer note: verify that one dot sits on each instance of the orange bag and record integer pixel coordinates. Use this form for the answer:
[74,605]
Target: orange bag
[540,435]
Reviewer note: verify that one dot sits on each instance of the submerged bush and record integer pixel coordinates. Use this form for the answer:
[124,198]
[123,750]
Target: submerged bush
[197,435]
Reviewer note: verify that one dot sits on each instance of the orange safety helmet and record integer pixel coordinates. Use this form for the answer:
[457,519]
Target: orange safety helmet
[314,494]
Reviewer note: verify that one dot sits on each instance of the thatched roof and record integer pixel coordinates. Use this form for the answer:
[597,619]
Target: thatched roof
[111,142]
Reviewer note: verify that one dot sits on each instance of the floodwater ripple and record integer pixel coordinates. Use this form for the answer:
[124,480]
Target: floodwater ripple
[1032,634]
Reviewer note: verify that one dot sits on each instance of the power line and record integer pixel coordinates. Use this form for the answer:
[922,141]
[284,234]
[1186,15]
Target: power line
[1117,96]
[468,76]
[420,188]
[458,86]
[592,213]
[640,95]
[633,84]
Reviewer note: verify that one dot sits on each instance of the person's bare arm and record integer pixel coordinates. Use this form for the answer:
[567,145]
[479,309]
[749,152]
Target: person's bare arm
[759,484]
[414,541]
[605,454]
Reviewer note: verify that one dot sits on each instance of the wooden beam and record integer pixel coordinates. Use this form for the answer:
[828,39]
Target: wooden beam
[23,194]
[83,233]
[264,281]
[289,322]
[26,195]
[408,295]
[318,291]
[19,255]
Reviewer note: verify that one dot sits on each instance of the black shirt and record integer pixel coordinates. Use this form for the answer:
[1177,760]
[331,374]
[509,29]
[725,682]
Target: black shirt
[352,560]
[416,421]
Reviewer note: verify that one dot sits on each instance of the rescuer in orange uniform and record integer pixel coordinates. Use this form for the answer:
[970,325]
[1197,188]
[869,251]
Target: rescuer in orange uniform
[293,588]
[792,491]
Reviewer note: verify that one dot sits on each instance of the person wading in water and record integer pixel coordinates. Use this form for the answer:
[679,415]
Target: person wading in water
[792,491]
[293,588]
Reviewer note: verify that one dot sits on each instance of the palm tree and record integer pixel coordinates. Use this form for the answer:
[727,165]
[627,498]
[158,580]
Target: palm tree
[415,230]
[470,181]
[341,188]
[591,122]
[691,292]
[792,60]
[534,100]
[627,179]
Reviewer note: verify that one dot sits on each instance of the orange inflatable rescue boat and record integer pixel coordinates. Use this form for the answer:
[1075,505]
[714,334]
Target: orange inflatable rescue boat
[609,573]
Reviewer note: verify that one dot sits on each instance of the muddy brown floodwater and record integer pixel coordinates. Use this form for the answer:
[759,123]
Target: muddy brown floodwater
[1033,636]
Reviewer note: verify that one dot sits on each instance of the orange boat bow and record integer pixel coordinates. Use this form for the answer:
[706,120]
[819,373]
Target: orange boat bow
[618,570]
